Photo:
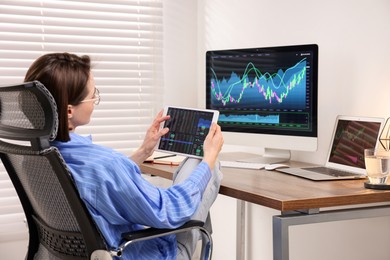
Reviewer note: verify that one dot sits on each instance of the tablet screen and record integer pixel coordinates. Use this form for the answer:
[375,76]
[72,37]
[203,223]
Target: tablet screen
[187,130]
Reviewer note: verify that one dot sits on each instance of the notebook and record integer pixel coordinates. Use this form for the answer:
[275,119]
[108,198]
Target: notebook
[345,160]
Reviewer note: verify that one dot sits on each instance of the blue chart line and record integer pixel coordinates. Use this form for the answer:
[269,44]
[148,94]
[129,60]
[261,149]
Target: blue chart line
[175,141]
[283,89]
[204,123]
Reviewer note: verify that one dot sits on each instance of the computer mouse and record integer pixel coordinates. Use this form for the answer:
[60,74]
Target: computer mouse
[271,167]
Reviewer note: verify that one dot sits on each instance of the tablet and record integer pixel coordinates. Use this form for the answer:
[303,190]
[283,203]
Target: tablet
[188,127]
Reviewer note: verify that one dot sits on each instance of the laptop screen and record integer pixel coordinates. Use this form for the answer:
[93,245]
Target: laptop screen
[350,139]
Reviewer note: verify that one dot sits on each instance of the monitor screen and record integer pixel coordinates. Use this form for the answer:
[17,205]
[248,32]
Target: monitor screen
[266,92]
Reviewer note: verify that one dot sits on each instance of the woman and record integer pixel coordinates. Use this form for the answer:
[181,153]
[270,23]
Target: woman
[110,184]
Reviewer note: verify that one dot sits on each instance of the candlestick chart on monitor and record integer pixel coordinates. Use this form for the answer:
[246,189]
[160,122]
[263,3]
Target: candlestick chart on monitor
[281,89]
[261,89]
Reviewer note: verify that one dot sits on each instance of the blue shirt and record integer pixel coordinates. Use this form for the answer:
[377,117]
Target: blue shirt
[121,200]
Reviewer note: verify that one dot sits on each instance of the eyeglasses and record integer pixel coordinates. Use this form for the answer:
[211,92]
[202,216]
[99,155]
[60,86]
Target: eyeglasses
[95,99]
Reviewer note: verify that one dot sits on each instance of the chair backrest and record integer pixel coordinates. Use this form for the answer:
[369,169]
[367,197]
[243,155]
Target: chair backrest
[60,226]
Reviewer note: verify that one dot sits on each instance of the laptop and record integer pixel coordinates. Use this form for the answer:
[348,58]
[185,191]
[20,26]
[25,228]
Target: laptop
[345,160]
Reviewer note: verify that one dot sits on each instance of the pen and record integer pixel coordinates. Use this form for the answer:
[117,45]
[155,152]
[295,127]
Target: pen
[166,163]
[164,156]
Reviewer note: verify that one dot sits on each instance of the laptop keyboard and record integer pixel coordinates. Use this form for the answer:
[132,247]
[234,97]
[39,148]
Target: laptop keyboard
[332,172]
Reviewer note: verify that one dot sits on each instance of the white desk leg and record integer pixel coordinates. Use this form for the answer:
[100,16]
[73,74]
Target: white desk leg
[240,236]
[280,239]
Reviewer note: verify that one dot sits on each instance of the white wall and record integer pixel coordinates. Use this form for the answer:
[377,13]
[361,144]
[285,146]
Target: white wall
[354,68]
[180,53]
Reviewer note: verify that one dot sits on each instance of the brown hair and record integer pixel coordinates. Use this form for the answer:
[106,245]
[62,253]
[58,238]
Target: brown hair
[65,75]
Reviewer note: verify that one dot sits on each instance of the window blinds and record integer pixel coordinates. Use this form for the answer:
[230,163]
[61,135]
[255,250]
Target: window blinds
[124,40]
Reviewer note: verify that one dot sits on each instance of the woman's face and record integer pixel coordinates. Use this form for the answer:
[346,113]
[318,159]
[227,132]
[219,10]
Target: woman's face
[81,114]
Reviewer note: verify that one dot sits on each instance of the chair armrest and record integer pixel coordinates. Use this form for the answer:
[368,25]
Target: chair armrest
[155,232]
[150,233]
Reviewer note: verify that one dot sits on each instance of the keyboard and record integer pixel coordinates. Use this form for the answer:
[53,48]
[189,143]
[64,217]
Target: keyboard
[243,165]
[332,172]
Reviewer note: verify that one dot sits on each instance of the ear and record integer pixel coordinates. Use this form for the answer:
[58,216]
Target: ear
[70,111]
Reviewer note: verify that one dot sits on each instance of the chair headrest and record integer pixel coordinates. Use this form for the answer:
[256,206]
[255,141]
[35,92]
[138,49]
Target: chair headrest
[28,112]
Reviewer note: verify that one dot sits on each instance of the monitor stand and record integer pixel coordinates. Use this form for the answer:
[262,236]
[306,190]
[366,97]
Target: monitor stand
[270,156]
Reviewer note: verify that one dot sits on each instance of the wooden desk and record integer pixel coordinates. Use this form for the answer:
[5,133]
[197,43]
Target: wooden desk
[299,200]
[284,192]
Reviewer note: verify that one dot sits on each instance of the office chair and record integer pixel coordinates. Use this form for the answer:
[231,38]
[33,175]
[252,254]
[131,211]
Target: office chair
[60,226]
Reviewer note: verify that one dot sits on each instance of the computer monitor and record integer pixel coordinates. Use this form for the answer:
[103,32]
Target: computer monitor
[267,97]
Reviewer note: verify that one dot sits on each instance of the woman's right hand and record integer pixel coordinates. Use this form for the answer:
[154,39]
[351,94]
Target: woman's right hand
[152,136]
[212,145]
